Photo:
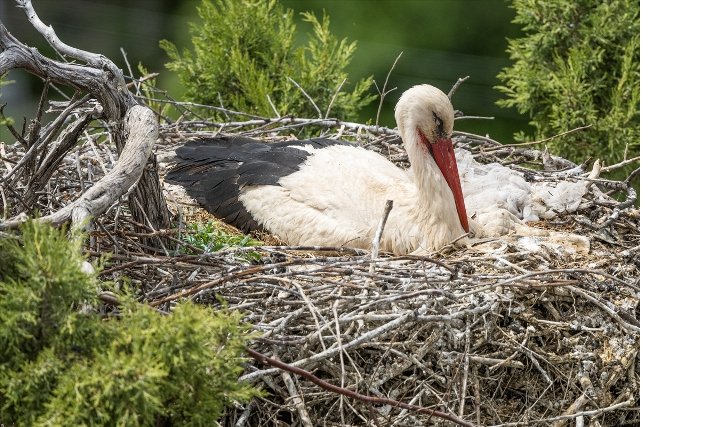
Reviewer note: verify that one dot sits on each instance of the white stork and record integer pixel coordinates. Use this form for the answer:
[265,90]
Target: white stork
[331,193]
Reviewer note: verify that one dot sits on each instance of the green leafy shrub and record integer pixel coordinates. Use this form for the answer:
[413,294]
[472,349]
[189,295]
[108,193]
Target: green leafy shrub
[63,363]
[212,238]
[577,65]
[244,58]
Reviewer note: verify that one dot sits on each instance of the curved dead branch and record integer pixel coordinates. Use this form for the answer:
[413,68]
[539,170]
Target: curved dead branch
[133,130]
[142,129]
[103,83]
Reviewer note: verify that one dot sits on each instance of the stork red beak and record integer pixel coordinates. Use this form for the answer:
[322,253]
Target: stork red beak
[445,158]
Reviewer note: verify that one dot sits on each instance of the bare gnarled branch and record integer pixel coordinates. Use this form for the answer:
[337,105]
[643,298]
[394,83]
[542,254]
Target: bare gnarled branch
[133,130]
[142,131]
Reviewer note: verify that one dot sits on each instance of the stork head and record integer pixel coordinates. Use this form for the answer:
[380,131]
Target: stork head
[424,116]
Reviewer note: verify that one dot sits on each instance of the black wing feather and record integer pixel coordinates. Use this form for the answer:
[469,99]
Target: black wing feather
[214,170]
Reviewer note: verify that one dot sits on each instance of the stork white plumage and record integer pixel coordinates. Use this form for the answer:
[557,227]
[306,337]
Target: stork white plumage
[332,193]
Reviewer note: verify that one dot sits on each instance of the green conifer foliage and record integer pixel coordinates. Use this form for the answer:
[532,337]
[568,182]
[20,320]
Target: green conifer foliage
[63,363]
[245,58]
[577,65]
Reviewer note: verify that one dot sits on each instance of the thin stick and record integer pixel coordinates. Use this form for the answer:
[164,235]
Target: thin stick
[270,102]
[297,401]
[456,85]
[319,112]
[466,366]
[375,245]
[241,422]
[34,133]
[375,248]
[336,92]
[541,141]
[383,92]
[475,118]
[342,365]
[632,175]
[129,67]
[5,208]
[620,164]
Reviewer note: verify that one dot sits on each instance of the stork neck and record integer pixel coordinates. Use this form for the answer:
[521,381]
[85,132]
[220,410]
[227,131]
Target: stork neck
[433,193]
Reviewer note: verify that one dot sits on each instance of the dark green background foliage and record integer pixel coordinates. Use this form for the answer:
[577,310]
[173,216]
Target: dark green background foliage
[577,65]
[63,363]
[440,41]
[4,120]
[244,58]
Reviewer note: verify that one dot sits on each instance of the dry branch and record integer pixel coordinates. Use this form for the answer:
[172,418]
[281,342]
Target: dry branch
[100,78]
[143,131]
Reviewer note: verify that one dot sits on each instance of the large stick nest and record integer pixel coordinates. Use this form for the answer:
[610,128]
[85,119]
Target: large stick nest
[491,333]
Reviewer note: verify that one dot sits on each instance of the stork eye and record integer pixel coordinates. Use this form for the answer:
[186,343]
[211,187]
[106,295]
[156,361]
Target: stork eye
[439,124]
